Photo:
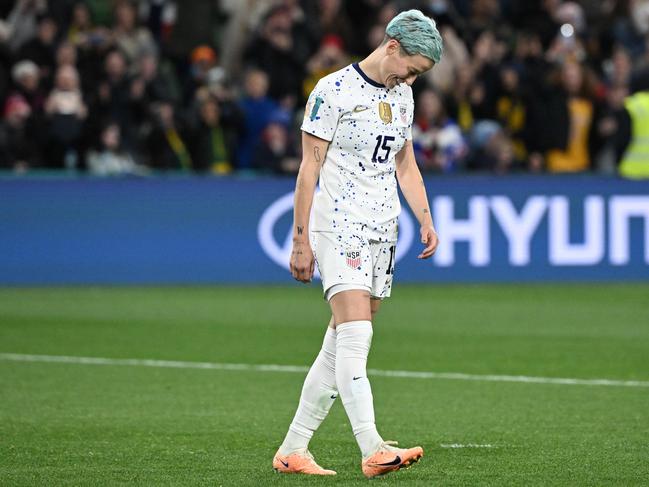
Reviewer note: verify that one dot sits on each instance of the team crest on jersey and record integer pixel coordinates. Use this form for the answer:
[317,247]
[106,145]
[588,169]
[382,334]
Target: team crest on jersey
[385,112]
[353,258]
[403,112]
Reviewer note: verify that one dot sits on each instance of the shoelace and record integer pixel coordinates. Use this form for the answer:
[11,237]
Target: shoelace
[389,445]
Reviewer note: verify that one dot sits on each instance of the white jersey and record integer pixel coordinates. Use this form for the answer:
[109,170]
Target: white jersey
[366,124]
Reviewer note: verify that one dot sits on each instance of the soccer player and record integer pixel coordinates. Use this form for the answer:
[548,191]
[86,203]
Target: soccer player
[356,138]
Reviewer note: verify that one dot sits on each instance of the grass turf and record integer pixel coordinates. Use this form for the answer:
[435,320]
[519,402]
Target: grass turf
[68,424]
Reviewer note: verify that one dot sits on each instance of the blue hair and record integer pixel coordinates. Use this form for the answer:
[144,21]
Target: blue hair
[417,34]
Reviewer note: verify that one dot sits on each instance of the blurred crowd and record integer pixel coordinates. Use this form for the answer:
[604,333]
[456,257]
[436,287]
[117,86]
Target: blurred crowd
[135,87]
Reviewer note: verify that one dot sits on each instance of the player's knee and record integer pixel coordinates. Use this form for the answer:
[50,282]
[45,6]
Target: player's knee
[352,315]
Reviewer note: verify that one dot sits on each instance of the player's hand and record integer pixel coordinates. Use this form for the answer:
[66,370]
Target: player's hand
[430,240]
[302,262]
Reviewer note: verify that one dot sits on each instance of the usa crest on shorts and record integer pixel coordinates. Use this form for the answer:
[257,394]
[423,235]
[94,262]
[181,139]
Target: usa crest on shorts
[353,258]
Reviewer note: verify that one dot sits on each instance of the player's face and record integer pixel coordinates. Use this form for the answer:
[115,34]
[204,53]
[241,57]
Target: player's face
[398,68]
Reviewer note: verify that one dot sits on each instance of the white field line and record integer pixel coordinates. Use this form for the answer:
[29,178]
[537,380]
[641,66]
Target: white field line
[175,364]
[468,445]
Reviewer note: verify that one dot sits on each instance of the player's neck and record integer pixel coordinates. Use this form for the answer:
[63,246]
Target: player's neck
[370,66]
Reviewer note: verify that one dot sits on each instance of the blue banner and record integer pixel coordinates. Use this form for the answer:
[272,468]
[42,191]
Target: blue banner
[229,230]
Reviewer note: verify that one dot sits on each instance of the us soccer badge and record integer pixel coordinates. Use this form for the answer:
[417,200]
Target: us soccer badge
[353,258]
[385,112]
[403,112]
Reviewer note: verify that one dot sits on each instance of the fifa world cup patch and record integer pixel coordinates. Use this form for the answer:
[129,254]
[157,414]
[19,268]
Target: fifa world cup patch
[353,258]
[385,112]
[315,106]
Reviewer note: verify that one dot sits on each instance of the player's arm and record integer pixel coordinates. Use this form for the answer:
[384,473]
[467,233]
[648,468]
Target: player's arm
[313,154]
[412,186]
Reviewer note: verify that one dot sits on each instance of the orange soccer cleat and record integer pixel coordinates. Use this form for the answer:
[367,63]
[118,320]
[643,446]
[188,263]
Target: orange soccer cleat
[299,462]
[388,458]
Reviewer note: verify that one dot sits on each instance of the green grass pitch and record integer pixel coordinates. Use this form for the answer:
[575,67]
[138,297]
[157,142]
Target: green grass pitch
[80,424]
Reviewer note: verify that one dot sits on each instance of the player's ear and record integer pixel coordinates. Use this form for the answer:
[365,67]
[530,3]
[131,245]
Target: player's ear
[392,46]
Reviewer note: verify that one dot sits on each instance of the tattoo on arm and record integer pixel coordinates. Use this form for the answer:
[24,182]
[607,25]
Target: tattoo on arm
[316,154]
[425,210]
[300,229]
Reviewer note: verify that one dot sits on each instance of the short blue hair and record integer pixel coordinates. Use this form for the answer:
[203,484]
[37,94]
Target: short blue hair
[417,34]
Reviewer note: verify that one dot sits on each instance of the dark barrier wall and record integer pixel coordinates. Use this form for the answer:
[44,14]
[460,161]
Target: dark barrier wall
[220,230]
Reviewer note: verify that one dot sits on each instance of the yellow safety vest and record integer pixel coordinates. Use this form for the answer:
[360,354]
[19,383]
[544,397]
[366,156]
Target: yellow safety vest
[635,163]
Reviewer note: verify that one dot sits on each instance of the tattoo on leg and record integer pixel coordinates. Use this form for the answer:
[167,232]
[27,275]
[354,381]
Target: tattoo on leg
[425,210]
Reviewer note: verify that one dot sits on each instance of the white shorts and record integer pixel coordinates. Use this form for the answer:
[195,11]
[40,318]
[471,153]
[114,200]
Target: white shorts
[353,262]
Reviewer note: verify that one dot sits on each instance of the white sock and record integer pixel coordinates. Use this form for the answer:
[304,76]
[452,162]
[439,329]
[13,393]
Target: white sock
[318,395]
[353,340]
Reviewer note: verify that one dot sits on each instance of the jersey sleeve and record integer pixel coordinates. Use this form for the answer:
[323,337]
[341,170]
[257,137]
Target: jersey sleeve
[322,112]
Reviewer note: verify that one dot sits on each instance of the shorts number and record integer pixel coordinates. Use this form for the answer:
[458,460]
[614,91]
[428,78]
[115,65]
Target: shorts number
[382,142]
[391,264]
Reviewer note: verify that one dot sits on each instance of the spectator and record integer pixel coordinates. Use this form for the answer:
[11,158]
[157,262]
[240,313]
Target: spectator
[333,20]
[511,109]
[18,151]
[23,21]
[437,140]
[166,146]
[26,77]
[82,31]
[487,56]
[442,78]
[257,110]
[110,158]
[41,49]
[91,44]
[635,163]
[483,18]
[148,87]
[275,153]
[114,98]
[194,23]
[159,16]
[467,97]
[569,120]
[6,59]
[273,51]
[491,149]
[66,55]
[65,111]
[131,39]
[612,128]
[203,61]
[80,28]
[329,58]
[210,143]
[618,69]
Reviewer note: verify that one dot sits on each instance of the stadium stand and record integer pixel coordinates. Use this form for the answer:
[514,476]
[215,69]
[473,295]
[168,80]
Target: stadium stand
[141,87]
